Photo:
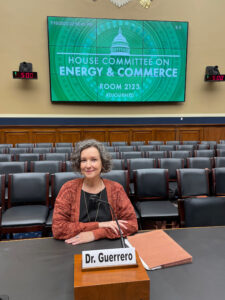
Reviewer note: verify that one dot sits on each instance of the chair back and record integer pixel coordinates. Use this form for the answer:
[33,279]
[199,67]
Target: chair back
[114,155]
[218,176]
[118,164]
[68,166]
[185,147]
[204,153]
[70,145]
[194,143]
[25,145]
[151,184]
[105,143]
[172,164]
[42,150]
[181,154]
[200,162]
[67,150]
[172,142]
[209,211]
[156,154]
[220,152]
[131,154]
[219,162]
[43,145]
[211,144]
[47,166]
[120,176]
[139,163]
[64,149]
[137,143]
[166,147]
[3,150]
[19,150]
[119,143]
[5,157]
[110,148]
[6,145]
[125,148]
[2,192]
[155,143]
[28,157]
[220,146]
[193,182]
[203,146]
[28,188]
[58,179]
[146,147]
[12,167]
[56,156]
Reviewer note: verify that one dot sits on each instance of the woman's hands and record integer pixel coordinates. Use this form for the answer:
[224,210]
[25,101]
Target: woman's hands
[113,225]
[81,238]
[88,236]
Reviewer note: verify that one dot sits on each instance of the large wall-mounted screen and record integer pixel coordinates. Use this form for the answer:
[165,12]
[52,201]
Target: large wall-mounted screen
[108,60]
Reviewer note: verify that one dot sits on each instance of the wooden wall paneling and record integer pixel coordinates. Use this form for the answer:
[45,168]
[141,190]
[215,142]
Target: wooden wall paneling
[142,135]
[1,137]
[33,134]
[69,135]
[44,136]
[165,134]
[97,134]
[119,135]
[190,134]
[214,133]
[14,136]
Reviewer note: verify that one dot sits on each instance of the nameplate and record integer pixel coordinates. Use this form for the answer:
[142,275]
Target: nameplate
[108,258]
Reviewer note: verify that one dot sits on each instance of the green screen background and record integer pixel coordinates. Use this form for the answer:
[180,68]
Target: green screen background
[106,60]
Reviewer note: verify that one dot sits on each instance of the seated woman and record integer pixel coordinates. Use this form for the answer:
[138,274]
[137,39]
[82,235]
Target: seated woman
[78,218]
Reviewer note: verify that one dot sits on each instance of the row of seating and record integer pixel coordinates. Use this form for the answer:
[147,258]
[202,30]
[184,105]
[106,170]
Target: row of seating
[115,155]
[131,164]
[37,145]
[172,164]
[164,147]
[198,212]
[34,156]
[193,191]
[125,148]
[197,204]
[114,143]
[36,150]
[29,208]
[151,194]
[172,154]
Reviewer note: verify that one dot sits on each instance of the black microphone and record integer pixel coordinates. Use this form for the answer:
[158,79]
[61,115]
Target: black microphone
[98,200]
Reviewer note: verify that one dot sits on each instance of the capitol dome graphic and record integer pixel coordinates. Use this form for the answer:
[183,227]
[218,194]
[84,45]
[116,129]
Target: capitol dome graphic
[120,46]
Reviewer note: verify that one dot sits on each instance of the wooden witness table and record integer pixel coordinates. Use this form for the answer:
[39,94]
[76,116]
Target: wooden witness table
[42,269]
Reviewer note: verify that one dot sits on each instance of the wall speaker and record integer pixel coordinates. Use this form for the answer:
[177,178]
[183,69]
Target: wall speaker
[212,70]
[25,67]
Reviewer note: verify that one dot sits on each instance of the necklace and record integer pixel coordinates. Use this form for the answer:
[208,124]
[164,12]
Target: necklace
[85,201]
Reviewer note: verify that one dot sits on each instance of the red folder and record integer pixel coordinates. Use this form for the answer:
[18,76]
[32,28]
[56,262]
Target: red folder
[158,250]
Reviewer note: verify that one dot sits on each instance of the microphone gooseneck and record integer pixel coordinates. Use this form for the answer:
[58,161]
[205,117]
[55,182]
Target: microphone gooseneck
[98,200]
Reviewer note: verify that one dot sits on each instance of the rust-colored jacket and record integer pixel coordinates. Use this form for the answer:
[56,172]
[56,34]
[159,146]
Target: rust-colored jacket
[66,214]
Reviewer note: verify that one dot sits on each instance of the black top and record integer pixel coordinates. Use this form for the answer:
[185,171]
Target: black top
[91,210]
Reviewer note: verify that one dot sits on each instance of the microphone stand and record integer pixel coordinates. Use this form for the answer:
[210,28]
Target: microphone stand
[98,200]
